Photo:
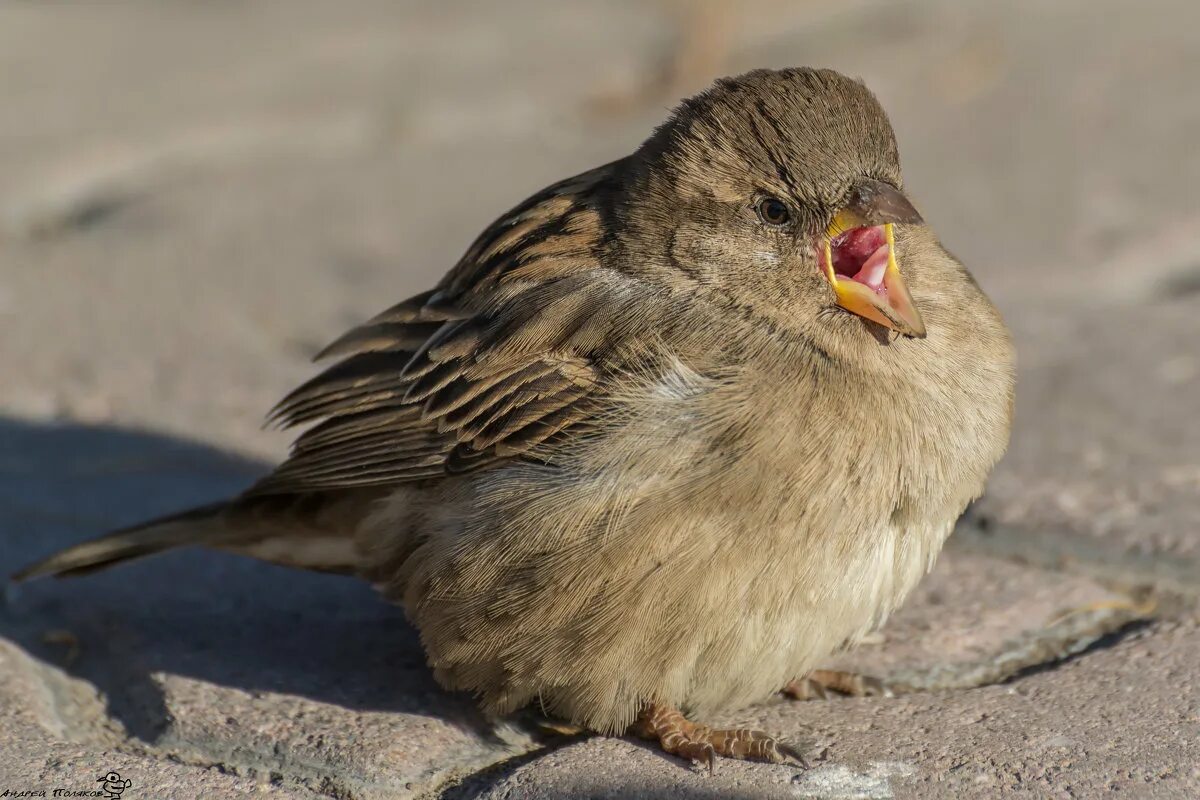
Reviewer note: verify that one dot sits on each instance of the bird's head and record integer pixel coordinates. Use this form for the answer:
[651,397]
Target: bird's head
[781,191]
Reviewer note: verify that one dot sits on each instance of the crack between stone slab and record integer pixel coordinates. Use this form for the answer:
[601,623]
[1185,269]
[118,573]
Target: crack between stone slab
[97,191]
[280,768]
[317,777]
[474,783]
[1172,577]
[1072,634]
[1154,587]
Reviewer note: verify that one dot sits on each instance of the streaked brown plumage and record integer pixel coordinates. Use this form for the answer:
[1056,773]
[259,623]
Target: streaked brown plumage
[633,454]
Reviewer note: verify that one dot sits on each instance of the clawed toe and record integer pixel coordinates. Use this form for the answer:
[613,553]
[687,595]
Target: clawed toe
[818,684]
[805,689]
[701,753]
[873,687]
[789,753]
[678,735]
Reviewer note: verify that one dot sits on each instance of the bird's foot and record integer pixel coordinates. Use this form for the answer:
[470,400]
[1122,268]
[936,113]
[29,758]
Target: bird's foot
[678,735]
[820,682]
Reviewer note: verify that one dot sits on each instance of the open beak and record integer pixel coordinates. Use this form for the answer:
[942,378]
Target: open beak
[859,258]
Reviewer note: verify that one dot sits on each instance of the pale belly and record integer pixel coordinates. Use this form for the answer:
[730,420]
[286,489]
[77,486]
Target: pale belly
[787,634]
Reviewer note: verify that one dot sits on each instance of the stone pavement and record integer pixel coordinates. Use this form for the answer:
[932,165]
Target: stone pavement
[195,196]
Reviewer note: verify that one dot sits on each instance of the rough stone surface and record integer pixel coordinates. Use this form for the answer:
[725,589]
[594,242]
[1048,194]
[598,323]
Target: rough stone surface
[195,196]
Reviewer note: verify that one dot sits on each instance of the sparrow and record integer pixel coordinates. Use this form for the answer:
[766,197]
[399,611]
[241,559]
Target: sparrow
[670,432]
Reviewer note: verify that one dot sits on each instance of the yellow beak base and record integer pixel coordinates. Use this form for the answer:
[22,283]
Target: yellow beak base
[890,305]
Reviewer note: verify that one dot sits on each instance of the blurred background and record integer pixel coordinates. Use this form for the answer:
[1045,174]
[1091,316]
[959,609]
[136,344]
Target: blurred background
[196,196]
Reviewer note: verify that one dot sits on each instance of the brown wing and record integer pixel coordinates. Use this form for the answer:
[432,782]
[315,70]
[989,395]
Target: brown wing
[492,363]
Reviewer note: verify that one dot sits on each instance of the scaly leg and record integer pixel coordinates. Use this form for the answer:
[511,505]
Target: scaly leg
[680,736]
[820,682]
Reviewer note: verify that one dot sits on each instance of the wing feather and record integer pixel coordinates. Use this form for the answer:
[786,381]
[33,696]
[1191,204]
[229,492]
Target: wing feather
[505,353]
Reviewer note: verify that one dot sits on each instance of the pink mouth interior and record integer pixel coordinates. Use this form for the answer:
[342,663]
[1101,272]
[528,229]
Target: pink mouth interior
[861,254]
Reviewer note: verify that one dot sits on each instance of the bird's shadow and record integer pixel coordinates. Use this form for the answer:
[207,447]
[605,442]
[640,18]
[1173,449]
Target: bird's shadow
[219,618]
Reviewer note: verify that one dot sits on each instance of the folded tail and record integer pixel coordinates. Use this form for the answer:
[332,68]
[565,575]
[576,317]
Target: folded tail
[265,531]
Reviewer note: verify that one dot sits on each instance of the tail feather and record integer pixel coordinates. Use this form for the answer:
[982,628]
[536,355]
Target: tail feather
[198,526]
[314,532]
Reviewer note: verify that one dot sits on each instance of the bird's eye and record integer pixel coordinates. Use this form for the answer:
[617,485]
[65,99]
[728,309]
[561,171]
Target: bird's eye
[773,211]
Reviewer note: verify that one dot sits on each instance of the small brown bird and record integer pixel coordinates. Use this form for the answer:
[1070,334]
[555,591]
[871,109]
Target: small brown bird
[671,432]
